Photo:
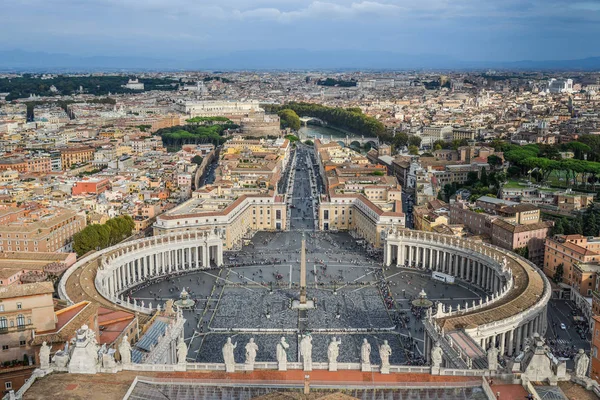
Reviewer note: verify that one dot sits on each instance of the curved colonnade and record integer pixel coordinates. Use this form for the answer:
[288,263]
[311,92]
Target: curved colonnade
[518,291]
[130,264]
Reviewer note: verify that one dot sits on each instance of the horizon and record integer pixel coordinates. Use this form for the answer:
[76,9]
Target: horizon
[490,31]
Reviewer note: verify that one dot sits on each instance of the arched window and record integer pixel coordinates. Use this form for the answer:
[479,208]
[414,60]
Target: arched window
[20,320]
[3,323]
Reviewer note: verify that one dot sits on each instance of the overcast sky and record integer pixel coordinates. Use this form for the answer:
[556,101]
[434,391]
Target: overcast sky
[463,29]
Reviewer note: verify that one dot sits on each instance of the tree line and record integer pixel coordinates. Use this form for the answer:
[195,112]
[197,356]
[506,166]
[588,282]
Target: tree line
[541,160]
[101,236]
[349,119]
[177,136]
[26,85]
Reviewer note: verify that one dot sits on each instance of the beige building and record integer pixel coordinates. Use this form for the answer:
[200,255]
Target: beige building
[75,155]
[237,212]
[24,309]
[39,230]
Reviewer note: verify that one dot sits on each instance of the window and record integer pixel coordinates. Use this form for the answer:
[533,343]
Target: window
[8,385]
[4,324]
[19,306]
[1,306]
[22,343]
[4,347]
[20,320]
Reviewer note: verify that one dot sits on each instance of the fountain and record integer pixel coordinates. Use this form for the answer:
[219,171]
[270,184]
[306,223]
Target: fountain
[184,302]
[422,301]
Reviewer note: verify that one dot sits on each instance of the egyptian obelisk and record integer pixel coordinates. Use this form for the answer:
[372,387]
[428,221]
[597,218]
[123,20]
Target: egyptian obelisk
[303,303]
[303,271]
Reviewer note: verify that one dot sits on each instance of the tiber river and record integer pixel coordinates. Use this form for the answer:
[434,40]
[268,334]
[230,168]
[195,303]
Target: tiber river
[313,131]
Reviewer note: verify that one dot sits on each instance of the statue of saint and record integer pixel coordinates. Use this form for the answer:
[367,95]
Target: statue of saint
[492,357]
[228,352]
[333,350]
[282,347]
[45,356]
[251,350]
[306,352]
[365,352]
[181,351]
[582,362]
[385,351]
[436,355]
[125,350]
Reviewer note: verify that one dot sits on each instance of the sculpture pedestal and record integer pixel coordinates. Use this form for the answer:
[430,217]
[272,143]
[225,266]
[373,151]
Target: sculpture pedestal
[229,367]
[298,305]
[385,369]
[435,370]
[281,367]
[333,366]
[249,367]
[364,367]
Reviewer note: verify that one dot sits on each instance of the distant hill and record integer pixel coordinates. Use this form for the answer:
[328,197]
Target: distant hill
[284,59]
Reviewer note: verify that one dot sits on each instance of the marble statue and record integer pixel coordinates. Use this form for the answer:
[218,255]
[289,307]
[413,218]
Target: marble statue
[44,356]
[436,355]
[181,351]
[582,362]
[282,347]
[251,350]
[84,359]
[306,352]
[333,351]
[365,356]
[385,351]
[492,358]
[108,359]
[125,350]
[228,358]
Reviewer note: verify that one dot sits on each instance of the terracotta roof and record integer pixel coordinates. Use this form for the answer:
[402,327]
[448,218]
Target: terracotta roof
[27,289]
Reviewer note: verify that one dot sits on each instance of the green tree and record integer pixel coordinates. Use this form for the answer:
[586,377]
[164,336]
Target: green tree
[558,273]
[400,140]
[292,138]
[484,178]
[289,119]
[494,160]
[523,252]
[558,228]
[196,160]
[414,141]
[437,146]
[590,227]
[308,142]
[413,150]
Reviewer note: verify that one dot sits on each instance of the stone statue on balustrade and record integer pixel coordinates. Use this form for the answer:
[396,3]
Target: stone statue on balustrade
[333,351]
[44,356]
[84,359]
[181,351]
[306,352]
[582,362]
[492,358]
[365,356]
[385,351]
[251,350]
[108,358]
[228,357]
[436,355]
[125,350]
[282,347]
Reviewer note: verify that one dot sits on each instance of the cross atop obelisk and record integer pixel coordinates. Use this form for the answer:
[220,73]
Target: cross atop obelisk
[303,271]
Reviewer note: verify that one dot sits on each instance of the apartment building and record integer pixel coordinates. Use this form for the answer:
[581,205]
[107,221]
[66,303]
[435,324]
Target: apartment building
[39,230]
[70,156]
[579,257]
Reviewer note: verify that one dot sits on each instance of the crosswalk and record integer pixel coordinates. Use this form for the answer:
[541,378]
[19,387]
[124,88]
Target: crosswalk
[563,341]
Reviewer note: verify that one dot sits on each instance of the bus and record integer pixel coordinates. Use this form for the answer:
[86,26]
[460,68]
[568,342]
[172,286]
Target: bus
[440,276]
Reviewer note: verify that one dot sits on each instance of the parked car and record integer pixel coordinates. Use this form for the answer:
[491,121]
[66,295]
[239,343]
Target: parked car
[563,326]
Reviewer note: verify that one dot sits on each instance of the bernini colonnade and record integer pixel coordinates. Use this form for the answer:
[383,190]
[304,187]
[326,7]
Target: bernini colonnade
[518,292]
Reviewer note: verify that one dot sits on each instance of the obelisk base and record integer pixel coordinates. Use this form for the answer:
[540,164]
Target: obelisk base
[298,305]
